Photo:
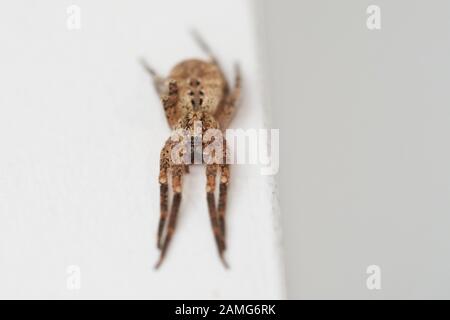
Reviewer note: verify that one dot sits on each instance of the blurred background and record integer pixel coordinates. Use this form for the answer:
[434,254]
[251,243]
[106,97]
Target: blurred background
[364,124]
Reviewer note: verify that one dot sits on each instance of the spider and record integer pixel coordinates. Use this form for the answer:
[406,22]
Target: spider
[195,91]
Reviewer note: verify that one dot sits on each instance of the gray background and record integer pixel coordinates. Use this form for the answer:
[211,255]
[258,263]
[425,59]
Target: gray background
[365,162]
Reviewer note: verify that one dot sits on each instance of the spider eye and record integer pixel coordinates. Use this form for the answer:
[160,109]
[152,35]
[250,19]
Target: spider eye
[202,93]
[191,93]
[194,82]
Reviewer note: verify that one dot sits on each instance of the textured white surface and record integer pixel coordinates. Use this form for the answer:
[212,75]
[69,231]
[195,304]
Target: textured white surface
[80,132]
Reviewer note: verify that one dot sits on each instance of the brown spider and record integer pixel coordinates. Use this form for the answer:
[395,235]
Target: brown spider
[194,91]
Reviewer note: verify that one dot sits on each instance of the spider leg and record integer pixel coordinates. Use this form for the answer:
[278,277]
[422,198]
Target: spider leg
[226,111]
[204,46]
[164,189]
[170,102]
[168,94]
[211,174]
[223,190]
[158,81]
[177,174]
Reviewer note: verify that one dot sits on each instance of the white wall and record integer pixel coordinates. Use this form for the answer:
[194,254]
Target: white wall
[80,133]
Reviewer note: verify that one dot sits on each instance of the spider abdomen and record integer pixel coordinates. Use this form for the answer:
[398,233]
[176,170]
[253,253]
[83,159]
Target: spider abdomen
[205,77]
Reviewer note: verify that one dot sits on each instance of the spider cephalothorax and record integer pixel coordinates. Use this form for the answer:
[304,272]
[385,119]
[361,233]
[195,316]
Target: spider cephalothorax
[196,97]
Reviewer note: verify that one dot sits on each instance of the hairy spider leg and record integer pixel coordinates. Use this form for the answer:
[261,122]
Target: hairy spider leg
[211,174]
[177,175]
